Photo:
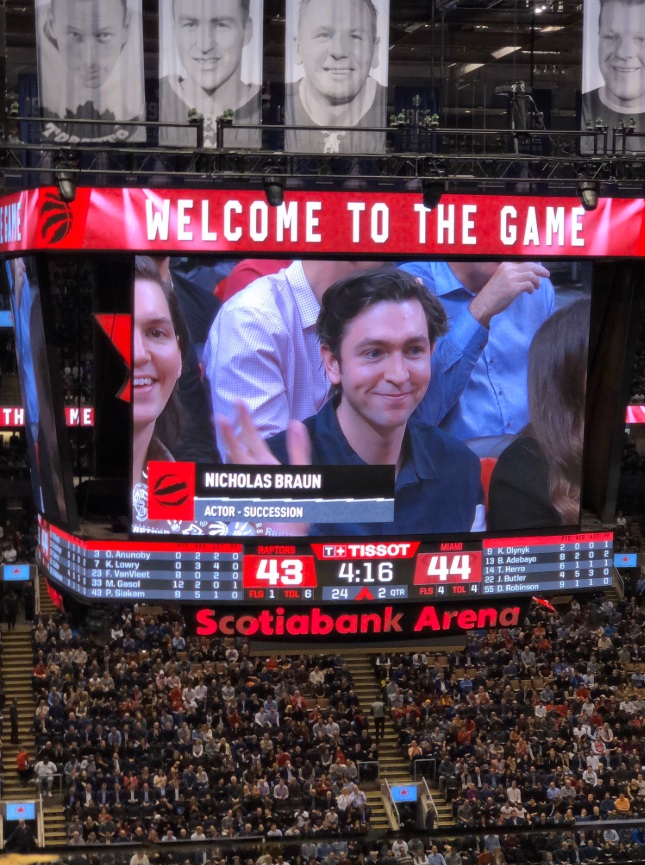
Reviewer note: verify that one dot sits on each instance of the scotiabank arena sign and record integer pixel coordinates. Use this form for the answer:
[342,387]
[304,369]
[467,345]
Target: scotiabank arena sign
[410,622]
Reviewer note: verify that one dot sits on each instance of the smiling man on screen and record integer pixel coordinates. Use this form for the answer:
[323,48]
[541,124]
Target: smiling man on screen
[377,331]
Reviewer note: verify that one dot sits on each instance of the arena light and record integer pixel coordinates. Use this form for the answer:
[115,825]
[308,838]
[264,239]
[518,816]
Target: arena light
[66,180]
[432,191]
[274,189]
[588,193]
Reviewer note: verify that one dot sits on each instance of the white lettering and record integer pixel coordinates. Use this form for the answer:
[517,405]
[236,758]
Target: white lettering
[207,234]
[312,222]
[531,233]
[356,208]
[555,224]
[466,237]
[423,212]
[183,219]
[232,234]
[259,221]
[287,219]
[446,223]
[157,222]
[380,224]
[576,226]
[508,233]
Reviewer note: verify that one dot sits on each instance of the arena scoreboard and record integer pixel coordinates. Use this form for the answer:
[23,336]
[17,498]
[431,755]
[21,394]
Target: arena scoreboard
[190,571]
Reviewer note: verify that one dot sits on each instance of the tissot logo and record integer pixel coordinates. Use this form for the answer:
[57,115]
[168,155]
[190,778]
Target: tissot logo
[55,219]
[315,622]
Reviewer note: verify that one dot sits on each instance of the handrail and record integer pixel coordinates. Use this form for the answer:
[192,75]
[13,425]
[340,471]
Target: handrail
[420,760]
[390,802]
[36,592]
[618,581]
[376,763]
[53,776]
[428,798]
[40,823]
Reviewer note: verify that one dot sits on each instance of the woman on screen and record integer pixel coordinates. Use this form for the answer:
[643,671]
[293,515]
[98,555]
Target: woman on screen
[536,482]
[160,340]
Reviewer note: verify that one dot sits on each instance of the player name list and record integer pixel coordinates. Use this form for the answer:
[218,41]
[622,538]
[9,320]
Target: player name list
[204,572]
[547,563]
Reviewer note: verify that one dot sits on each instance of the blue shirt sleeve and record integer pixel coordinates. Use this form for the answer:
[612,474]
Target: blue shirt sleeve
[454,357]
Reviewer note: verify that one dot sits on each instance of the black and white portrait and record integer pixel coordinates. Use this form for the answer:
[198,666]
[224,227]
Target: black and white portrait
[210,62]
[90,66]
[613,69]
[336,74]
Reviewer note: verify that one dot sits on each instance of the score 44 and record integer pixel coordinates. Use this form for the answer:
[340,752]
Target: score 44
[448,568]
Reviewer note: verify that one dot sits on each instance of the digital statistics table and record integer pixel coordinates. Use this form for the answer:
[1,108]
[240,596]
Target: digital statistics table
[145,570]
[343,572]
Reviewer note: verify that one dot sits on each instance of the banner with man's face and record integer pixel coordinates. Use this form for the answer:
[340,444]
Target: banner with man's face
[336,74]
[90,68]
[613,72]
[210,62]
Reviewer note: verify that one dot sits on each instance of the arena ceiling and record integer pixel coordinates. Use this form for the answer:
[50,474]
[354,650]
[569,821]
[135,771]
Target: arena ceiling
[468,48]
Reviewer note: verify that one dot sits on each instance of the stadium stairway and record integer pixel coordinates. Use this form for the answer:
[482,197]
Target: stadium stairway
[54,813]
[394,767]
[47,606]
[16,676]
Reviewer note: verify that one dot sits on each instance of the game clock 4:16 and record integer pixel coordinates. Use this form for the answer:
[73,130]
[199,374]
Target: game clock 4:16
[365,572]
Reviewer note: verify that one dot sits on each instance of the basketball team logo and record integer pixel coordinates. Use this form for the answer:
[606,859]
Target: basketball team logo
[171,491]
[56,219]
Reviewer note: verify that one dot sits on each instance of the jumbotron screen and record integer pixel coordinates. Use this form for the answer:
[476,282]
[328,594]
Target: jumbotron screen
[317,432]
[345,399]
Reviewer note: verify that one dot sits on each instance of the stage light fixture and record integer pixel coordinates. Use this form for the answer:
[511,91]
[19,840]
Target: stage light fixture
[66,181]
[588,193]
[432,191]
[274,189]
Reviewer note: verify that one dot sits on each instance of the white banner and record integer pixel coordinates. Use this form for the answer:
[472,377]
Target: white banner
[90,67]
[210,61]
[613,70]
[336,62]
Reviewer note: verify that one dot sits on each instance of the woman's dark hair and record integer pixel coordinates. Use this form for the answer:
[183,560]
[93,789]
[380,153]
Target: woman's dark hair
[168,423]
[352,294]
[557,377]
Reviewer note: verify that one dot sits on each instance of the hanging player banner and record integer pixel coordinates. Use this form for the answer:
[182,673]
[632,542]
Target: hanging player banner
[210,63]
[336,62]
[90,67]
[613,73]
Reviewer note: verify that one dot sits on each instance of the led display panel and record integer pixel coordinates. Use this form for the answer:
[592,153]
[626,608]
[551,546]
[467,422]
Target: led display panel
[43,417]
[356,398]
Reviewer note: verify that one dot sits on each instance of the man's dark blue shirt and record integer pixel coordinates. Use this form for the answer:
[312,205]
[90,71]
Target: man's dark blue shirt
[437,489]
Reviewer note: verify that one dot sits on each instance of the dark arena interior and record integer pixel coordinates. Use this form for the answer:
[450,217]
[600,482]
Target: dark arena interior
[322,432]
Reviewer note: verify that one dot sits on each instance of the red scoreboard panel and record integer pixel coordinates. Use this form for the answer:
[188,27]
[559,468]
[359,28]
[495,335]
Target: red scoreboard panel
[403,570]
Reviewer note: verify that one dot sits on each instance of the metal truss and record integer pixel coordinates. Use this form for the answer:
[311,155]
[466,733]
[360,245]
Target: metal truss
[463,160]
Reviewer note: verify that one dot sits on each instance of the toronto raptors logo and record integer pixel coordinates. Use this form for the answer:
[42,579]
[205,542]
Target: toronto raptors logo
[56,219]
[171,491]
